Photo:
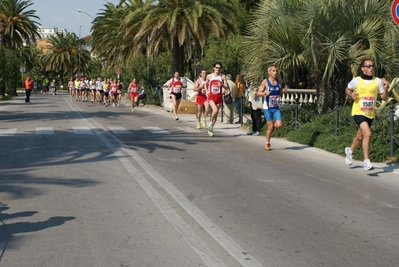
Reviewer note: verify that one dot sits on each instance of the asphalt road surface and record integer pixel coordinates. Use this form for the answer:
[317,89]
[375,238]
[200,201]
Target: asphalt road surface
[87,185]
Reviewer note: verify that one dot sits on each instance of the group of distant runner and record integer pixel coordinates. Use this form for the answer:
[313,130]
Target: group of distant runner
[107,92]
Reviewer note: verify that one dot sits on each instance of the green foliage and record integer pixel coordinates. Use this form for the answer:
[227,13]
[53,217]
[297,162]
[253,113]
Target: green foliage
[225,51]
[319,131]
[10,75]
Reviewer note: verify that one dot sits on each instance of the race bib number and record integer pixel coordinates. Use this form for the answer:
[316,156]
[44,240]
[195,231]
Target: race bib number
[176,90]
[274,101]
[367,103]
[203,91]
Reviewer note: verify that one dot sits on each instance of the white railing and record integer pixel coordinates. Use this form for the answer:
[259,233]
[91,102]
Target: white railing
[304,96]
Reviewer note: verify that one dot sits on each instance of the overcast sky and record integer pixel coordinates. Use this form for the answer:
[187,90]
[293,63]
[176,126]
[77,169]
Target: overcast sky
[64,14]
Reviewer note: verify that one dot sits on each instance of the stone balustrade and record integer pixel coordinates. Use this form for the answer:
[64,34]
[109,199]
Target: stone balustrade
[304,96]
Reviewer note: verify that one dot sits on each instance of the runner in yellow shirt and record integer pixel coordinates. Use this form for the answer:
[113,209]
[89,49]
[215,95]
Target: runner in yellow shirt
[364,90]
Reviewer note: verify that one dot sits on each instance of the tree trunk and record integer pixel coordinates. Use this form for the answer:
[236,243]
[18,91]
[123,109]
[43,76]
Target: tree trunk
[178,57]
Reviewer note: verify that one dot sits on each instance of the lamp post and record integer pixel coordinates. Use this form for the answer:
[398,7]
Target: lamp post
[81,11]
[80,29]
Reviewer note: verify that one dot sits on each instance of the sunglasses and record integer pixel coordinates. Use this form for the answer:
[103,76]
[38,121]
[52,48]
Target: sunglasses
[368,66]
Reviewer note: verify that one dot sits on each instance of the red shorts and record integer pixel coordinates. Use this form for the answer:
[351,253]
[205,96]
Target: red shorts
[201,100]
[134,95]
[218,99]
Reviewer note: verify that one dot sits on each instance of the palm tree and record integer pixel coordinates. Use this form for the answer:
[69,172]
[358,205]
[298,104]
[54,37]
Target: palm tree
[17,24]
[64,52]
[181,23]
[329,38]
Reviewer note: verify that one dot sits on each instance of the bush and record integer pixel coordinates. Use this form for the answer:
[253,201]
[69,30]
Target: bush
[319,131]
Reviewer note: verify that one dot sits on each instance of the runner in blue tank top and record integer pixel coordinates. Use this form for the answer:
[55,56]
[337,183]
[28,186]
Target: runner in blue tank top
[271,90]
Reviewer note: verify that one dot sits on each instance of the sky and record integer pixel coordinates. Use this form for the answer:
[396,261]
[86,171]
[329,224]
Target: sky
[64,14]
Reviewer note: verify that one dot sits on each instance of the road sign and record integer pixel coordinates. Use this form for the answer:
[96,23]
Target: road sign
[118,71]
[395,11]
[22,69]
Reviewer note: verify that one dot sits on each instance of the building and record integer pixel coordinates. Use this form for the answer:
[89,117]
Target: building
[45,33]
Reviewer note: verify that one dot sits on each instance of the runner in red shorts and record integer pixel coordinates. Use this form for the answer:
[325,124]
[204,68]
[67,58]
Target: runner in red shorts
[134,92]
[215,82]
[201,100]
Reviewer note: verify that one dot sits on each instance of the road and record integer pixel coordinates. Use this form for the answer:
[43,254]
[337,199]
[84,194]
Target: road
[86,185]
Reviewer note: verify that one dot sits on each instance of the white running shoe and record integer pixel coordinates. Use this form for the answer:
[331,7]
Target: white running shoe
[198,125]
[367,165]
[132,109]
[348,158]
[210,128]
[204,123]
[210,133]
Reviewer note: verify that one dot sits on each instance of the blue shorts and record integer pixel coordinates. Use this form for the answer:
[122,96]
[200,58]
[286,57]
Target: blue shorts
[272,114]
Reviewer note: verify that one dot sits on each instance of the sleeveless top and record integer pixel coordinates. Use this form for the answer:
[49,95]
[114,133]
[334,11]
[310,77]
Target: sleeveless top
[273,100]
[176,85]
[215,85]
[365,102]
[133,88]
[201,88]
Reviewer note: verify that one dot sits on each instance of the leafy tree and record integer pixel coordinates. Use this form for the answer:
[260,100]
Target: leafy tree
[10,77]
[17,24]
[327,38]
[64,54]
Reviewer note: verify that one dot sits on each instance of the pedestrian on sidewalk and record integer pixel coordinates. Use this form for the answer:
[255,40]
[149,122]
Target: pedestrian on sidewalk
[364,90]
[239,97]
[228,112]
[28,88]
[255,105]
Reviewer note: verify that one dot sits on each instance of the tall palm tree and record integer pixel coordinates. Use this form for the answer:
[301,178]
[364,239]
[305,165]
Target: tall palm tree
[107,38]
[64,52]
[17,24]
[181,23]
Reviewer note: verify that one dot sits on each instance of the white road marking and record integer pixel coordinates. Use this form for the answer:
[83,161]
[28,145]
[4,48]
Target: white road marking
[118,130]
[44,130]
[8,132]
[82,130]
[155,130]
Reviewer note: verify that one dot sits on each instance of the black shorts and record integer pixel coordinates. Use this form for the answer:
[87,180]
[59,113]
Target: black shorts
[177,95]
[360,118]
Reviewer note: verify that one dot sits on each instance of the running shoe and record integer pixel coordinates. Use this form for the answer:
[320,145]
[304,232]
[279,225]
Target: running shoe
[132,109]
[198,125]
[204,123]
[251,133]
[348,158]
[177,118]
[256,133]
[367,165]
[210,133]
[267,146]
[210,128]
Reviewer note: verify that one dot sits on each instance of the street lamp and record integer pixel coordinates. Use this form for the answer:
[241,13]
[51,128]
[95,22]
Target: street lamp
[81,11]
[80,29]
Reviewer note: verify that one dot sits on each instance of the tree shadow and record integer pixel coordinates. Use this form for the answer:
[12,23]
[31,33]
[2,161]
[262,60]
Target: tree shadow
[9,231]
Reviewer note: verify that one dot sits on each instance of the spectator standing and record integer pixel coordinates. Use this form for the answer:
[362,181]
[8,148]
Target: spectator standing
[228,113]
[28,88]
[239,98]
[364,90]
[255,105]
